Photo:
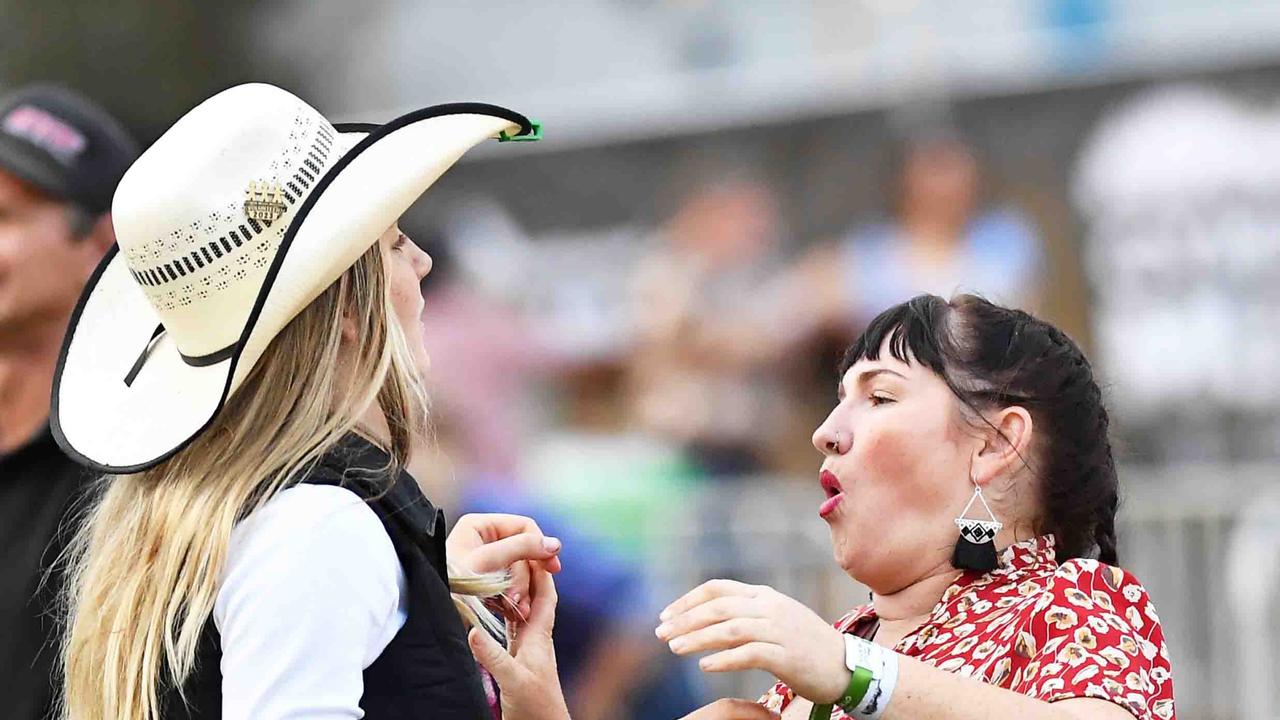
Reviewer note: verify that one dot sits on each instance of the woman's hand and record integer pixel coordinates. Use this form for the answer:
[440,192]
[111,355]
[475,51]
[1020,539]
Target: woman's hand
[527,674]
[753,626]
[485,543]
[732,709]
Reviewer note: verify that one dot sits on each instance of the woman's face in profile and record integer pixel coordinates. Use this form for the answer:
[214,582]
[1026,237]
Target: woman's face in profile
[406,265]
[895,472]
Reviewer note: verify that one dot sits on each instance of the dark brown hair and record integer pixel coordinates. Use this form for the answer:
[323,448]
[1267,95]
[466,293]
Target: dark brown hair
[991,357]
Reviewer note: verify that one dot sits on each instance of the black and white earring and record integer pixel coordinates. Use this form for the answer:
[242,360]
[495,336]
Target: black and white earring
[976,546]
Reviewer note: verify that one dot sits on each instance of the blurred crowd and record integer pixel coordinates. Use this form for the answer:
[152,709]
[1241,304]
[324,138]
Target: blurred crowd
[699,333]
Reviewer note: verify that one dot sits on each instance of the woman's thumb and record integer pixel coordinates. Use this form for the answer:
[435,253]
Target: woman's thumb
[492,656]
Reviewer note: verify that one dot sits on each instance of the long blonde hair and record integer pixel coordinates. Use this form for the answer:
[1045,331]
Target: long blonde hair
[143,570]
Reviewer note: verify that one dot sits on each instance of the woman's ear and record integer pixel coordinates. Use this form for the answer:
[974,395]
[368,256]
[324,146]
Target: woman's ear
[348,329]
[1005,447]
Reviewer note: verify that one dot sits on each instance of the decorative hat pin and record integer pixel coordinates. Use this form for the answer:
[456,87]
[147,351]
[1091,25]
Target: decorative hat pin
[264,201]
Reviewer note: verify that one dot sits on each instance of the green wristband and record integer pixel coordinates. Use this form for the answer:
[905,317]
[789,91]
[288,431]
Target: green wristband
[859,682]
[858,685]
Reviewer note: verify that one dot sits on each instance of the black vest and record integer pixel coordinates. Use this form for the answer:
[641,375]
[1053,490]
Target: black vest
[427,669]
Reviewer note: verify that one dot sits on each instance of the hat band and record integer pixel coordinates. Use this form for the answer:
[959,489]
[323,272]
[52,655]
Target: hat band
[212,358]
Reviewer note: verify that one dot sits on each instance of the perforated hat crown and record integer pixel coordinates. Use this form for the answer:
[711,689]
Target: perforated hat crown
[194,244]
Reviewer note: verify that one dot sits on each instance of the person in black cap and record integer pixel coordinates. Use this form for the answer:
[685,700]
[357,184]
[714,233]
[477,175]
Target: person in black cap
[61,157]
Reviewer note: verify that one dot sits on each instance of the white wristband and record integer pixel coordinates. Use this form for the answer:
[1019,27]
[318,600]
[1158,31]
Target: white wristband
[883,664]
[881,690]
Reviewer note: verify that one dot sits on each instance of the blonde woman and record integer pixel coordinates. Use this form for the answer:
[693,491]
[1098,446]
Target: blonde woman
[246,369]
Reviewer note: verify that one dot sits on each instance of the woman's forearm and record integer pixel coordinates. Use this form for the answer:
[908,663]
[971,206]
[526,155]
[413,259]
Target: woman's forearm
[926,693]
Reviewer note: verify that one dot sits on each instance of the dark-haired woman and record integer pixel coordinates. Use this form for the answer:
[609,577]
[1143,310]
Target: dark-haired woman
[968,479]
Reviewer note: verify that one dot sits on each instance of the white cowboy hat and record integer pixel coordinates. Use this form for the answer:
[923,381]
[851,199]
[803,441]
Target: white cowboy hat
[238,217]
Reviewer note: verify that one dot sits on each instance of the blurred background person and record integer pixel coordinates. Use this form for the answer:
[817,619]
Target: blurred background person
[486,356]
[941,234]
[940,230]
[699,372]
[485,362]
[60,159]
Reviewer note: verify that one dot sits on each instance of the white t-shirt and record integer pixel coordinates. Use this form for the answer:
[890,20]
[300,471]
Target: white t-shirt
[313,593]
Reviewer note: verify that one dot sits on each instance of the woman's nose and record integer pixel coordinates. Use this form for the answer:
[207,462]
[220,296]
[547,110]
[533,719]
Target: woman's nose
[829,440]
[425,263]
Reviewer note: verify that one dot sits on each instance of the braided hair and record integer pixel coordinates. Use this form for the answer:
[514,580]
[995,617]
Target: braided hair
[992,357]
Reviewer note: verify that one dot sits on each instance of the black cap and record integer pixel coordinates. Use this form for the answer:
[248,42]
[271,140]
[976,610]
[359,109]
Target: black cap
[64,144]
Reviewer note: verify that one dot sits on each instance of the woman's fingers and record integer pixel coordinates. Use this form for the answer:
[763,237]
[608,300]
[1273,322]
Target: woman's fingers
[761,629]
[552,564]
[476,530]
[504,552]
[527,673]
[495,526]
[518,593]
[484,543]
[708,613]
[543,598]
[705,592]
[728,634]
[732,709]
[751,656]
[495,658]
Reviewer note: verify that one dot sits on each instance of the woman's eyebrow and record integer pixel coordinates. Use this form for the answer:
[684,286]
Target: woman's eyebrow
[866,375]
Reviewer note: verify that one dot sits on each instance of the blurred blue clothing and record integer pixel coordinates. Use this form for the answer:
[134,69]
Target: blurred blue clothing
[600,595]
[999,258]
[598,592]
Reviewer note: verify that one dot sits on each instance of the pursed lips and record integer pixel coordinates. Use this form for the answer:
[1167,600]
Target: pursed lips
[830,483]
[834,491]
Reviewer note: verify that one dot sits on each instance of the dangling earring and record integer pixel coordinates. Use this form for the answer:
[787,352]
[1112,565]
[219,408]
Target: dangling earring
[976,546]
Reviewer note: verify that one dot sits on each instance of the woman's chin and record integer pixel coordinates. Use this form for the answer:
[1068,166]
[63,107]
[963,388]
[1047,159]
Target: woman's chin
[844,548]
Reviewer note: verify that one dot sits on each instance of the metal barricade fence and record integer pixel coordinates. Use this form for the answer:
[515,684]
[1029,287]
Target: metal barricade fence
[1204,540]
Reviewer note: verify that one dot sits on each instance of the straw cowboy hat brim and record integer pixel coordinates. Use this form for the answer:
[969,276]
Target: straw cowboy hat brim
[121,412]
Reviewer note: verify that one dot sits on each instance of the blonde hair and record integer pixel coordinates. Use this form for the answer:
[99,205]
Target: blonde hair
[142,572]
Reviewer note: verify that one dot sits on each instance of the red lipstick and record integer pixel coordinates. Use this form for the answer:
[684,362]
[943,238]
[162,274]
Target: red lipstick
[835,493]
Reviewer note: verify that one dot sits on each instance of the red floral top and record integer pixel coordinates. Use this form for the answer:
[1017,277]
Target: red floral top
[1082,629]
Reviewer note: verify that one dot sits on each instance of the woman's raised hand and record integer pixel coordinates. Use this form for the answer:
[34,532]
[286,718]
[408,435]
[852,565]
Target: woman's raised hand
[757,627]
[527,673]
[491,542]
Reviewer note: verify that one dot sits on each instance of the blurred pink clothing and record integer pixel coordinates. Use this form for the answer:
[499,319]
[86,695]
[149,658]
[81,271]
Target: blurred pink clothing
[483,358]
